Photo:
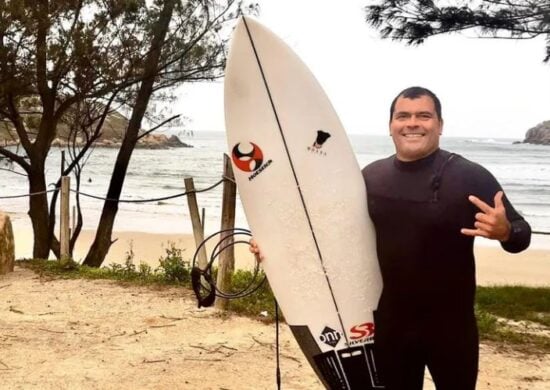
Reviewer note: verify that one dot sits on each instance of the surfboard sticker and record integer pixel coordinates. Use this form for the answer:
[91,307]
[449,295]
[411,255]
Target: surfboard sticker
[305,201]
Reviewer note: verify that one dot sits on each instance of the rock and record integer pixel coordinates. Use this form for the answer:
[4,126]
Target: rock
[540,134]
[57,142]
[7,245]
[112,134]
[175,142]
[161,141]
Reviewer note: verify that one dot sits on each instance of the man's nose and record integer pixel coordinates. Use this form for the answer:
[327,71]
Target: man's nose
[412,121]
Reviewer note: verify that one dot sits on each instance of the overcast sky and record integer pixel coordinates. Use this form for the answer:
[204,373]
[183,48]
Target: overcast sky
[488,88]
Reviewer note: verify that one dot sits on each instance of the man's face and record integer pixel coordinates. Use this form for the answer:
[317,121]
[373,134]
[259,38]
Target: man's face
[415,128]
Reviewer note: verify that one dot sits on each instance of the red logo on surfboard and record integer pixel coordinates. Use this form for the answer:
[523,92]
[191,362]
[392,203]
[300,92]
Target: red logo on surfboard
[362,331]
[247,158]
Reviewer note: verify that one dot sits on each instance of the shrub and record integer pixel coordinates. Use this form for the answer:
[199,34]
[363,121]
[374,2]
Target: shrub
[173,266]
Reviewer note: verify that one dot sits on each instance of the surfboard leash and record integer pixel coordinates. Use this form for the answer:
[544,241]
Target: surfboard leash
[206,291]
[277,350]
[202,280]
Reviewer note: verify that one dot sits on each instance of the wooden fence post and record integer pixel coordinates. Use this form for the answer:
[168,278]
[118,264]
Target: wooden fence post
[198,231]
[65,215]
[227,257]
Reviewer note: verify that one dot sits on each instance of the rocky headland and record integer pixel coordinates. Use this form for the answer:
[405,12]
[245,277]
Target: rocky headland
[539,135]
[112,134]
[150,141]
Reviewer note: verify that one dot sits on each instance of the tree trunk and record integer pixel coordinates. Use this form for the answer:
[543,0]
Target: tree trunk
[38,211]
[103,241]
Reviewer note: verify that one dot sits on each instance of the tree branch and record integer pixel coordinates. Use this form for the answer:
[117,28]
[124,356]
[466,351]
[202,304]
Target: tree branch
[20,160]
[158,126]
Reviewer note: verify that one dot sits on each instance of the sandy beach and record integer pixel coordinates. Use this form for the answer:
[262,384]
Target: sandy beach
[95,334]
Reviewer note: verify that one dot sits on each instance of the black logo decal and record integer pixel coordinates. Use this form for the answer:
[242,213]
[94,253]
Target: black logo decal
[322,136]
[330,336]
[317,146]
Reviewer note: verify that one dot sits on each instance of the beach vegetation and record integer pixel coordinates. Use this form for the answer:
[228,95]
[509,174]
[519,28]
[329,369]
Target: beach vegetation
[173,265]
[515,315]
[414,21]
[511,317]
[523,336]
[517,303]
[260,303]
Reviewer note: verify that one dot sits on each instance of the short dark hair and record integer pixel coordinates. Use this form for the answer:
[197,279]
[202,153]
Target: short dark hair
[415,93]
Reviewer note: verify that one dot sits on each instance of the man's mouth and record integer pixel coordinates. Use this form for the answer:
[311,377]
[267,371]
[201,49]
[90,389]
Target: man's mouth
[413,135]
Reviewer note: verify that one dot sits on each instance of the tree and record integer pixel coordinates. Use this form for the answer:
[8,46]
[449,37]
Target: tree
[416,20]
[197,55]
[53,55]
[103,241]
[57,54]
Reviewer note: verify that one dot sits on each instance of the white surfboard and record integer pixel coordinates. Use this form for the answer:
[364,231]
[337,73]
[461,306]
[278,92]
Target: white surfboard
[305,201]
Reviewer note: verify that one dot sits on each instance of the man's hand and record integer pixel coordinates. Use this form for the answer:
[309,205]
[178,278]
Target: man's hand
[491,222]
[255,249]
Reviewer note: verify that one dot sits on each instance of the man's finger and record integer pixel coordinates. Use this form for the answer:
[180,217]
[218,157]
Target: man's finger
[498,200]
[481,217]
[474,232]
[480,204]
[483,226]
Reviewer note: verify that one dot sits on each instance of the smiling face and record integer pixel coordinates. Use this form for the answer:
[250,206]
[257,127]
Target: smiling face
[415,127]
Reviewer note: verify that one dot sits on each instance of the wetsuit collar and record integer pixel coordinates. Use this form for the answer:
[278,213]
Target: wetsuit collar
[416,164]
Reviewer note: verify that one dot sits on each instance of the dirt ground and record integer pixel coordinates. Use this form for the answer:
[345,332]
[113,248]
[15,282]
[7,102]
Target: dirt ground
[82,334]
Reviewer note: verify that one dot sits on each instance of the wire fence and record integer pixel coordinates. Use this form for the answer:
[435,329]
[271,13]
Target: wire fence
[84,194]
[179,195]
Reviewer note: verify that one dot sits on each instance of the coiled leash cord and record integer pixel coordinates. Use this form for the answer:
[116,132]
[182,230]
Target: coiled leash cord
[206,294]
[202,281]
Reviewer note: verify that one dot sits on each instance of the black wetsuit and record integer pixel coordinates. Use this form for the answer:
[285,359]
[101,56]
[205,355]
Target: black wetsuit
[425,316]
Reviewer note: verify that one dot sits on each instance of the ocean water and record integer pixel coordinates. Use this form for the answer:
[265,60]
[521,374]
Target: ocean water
[523,171]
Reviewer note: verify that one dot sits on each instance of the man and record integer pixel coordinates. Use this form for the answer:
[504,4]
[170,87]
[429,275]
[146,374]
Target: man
[427,205]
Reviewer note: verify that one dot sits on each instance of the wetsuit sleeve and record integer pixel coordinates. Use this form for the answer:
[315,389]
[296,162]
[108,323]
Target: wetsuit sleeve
[520,231]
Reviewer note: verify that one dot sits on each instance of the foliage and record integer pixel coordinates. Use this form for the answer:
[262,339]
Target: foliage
[261,303]
[173,266]
[73,62]
[514,314]
[486,322]
[516,302]
[491,328]
[416,20]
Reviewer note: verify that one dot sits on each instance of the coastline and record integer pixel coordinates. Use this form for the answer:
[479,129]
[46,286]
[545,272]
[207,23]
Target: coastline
[494,266]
